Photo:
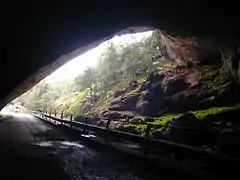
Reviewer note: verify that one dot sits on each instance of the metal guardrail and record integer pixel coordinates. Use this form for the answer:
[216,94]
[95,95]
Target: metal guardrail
[215,129]
[171,147]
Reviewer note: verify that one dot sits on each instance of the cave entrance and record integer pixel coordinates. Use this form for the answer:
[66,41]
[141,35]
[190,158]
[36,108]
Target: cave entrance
[115,62]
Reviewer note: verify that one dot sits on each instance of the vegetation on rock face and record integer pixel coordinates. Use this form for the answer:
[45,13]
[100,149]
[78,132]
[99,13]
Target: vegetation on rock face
[118,66]
[166,119]
[210,74]
[213,111]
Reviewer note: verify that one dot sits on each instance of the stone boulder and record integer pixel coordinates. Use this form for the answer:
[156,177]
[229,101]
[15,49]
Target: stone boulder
[186,120]
[144,108]
[175,85]
[155,77]
[129,103]
[181,102]
[147,108]
[191,136]
[156,89]
[150,102]
[125,103]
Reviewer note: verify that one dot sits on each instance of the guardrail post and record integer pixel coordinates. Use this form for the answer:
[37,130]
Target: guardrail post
[107,127]
[85,122]
[108,124]
[147,130]
[71,119]
[147,149]
[61,115]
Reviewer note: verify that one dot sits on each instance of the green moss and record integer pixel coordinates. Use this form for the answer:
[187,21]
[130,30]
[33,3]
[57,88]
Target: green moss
[199,114]
[141,79]
[141,128]
[210,74]
[164,119]
[216,110]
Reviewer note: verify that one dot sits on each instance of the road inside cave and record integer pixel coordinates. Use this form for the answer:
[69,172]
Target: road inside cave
[32,149]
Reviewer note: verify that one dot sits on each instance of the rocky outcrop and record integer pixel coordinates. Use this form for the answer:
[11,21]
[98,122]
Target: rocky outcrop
[177,133]
[127,103]
[191,48]
[175,85]
[182,101]
[178,89]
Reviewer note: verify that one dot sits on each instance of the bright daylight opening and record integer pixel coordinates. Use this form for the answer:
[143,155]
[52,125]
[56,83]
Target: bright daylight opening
[110,80]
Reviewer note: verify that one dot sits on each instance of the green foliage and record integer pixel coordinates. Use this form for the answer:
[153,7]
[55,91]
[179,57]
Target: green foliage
[80,98]
[213,111]
[119,64]
[164,119]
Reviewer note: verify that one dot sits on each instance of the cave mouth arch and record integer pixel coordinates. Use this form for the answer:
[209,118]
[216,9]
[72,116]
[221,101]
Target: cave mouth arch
[46,70]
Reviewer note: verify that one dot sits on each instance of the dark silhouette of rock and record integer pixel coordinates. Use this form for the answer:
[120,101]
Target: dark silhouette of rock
[144,108]
[151,101]
[129,103]
[149,119]
[229,143]
[177,133]
[174,86]
[154,77]
[157,134]
[186,120]
[181,102]
[147,108]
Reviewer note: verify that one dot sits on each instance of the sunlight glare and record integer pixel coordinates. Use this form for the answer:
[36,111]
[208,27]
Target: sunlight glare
[89,59]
